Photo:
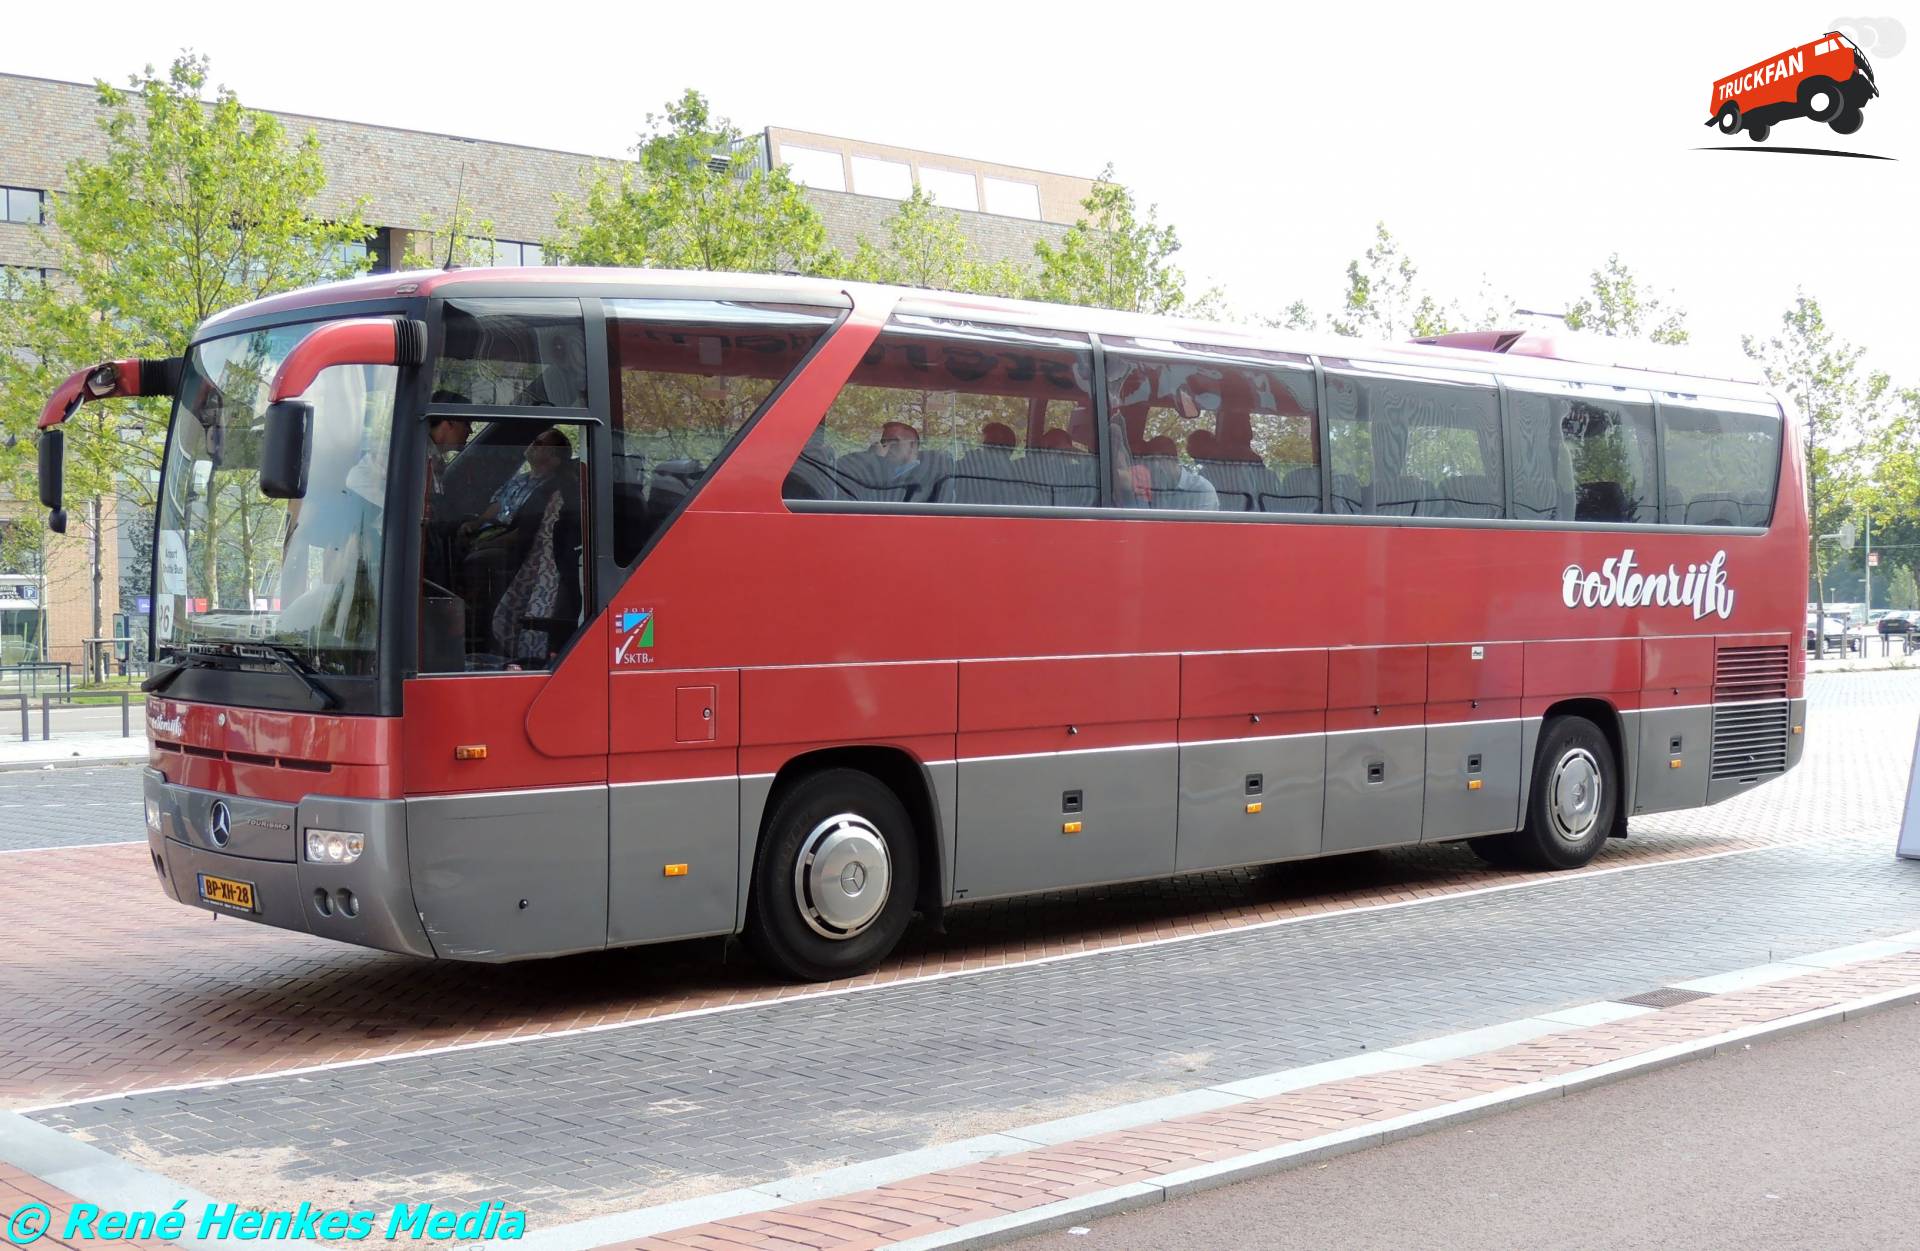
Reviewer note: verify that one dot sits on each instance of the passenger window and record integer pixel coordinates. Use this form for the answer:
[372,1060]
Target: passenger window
[504,544]
[949,412]
[1212,429]
[1413,442]
[688,375]
[1722,462]
[521,353]
[1581,452]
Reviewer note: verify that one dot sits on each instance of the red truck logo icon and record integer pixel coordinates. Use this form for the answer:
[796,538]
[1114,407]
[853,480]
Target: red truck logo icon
[1827,80]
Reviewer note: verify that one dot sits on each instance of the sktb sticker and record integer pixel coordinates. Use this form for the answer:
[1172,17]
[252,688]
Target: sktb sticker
[633,629]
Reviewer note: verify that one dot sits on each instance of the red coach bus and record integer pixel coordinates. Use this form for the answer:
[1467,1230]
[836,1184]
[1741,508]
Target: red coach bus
[1828,80]
[509,613]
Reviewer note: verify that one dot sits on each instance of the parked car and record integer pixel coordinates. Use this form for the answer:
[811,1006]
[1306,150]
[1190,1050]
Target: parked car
[1834,632]
[1898,623]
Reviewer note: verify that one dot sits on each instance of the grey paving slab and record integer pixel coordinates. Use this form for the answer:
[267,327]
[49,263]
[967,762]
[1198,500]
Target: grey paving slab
[70,807]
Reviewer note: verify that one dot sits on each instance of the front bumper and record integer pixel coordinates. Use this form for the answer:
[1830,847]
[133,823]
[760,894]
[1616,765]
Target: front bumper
[368,902]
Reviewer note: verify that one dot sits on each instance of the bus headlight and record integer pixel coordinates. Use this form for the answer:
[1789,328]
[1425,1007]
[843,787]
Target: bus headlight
[153,814]
[334,846]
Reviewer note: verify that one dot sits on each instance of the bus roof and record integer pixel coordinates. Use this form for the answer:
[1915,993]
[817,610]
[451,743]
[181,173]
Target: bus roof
[1562,356]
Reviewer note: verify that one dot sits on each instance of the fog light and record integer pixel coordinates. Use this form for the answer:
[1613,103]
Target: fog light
[153,814]
[334,846]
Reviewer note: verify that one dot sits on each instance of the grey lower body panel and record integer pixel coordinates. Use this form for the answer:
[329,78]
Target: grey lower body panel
[507,876]
[1752,743]
[1286,777]
[1676,751]
[693,826]
[369,902]
[1014,813]
[1376,783]
[1458,756]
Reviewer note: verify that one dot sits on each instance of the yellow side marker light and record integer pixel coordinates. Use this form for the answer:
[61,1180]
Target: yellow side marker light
[1799,729]
[1070,827]
[1674,763]
[1474,784]
[1255,806]
[470,751]
[674,870]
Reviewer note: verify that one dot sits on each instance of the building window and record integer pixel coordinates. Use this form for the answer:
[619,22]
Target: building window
[1011,199]
[23,205]
[812,167]
[514,252]
[15,278]
[950,188]
[890,179]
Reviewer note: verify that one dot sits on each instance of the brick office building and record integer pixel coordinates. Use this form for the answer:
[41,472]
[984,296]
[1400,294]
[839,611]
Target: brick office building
[408,180]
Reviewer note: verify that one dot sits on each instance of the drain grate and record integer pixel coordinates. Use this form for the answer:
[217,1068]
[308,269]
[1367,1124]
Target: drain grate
[1665,997]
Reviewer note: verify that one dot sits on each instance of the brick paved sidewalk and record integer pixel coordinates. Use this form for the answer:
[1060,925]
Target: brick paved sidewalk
[1174,1154]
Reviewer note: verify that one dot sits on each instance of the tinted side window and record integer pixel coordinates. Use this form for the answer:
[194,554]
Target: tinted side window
[1580,453]
[1232,430]
[524,353]
[1722,464]
[1413,444]
[947,412]
[687,375]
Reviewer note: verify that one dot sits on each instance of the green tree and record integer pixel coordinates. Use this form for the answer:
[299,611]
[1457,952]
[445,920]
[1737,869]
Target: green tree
[199,204]
[1839,402]
[1112,257]
[1903,590]
[1383,299]
[925,246]
[1618,304]
[694,199]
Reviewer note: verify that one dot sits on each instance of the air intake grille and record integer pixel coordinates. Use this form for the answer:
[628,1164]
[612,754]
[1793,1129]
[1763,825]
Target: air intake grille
[1749,673]
[1749,741]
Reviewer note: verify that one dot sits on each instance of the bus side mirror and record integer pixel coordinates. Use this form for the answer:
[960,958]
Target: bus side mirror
[53,472]
[283,450]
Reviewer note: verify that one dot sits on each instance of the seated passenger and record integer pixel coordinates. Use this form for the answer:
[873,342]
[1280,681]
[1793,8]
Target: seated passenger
[1069,476]
[539,505]
[895,469]
[1176,485]
[988,474]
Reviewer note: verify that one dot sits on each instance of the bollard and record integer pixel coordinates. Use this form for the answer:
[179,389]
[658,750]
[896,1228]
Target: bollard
[26,732]
[46,717]
[126,717]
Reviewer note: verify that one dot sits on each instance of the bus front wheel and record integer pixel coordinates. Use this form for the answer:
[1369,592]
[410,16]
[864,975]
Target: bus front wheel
[1572,805]
[1729,119]
[1821,98]
[835,879]
[1847,121]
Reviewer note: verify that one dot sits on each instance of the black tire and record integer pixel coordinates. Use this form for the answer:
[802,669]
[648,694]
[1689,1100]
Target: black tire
[794,938]
[1847,121]
[1547,843]
[1758,131]
[1728,119]
[1827,93]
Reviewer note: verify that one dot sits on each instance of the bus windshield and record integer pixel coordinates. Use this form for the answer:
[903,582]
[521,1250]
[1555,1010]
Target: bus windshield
[234,571]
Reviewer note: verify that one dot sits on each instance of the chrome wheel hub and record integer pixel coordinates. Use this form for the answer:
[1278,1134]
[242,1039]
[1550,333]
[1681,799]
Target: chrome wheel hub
[1573,796]
[843,876]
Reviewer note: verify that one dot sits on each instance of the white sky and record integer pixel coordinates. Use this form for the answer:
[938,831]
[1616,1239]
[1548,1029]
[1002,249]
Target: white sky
[1523,142]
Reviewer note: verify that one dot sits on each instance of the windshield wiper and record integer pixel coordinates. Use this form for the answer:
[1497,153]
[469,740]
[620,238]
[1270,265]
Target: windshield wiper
[290,659]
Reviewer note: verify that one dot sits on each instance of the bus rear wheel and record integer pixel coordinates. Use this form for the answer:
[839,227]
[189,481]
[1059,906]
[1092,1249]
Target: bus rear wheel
[1847,121]
[1572,805]
[1821,98]
[1758,131]
[835,879]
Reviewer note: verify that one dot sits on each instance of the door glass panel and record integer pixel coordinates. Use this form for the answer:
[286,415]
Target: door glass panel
[504,544]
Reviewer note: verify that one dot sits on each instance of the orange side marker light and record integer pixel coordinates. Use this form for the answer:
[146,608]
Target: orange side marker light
[470,751]
[1070,827]
[673,870]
